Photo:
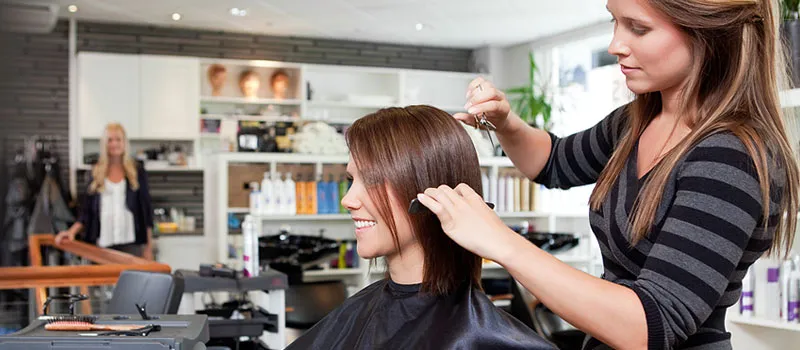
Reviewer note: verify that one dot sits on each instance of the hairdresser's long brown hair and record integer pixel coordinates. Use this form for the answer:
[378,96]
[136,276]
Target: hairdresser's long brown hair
[733,87]
[408,150]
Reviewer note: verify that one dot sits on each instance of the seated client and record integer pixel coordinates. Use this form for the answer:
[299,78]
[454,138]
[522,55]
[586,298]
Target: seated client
[431,297]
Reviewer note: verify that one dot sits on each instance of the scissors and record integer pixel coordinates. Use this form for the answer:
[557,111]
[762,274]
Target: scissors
[482,121]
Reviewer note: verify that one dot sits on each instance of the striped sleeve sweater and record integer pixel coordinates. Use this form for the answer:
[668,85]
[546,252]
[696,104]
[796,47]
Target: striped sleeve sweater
[709,229]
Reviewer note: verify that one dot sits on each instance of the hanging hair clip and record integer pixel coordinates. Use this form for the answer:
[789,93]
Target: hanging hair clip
[756,19]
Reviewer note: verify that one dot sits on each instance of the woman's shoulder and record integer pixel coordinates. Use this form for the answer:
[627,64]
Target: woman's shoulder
[138,164]
[722,139]
[717,152]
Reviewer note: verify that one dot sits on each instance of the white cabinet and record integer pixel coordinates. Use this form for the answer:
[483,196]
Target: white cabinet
[445,90]
[153,97]
[108,91]
[170,96]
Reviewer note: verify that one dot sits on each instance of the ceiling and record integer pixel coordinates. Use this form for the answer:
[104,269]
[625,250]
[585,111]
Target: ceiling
[447,23]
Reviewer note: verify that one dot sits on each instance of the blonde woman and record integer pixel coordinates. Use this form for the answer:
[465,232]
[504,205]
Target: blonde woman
[695,179]
[117,212]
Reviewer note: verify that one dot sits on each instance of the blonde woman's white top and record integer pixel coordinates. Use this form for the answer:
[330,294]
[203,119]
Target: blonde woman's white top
[116,220]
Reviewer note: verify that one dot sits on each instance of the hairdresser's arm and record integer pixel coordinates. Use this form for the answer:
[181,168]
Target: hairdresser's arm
[566,162]
[609,312]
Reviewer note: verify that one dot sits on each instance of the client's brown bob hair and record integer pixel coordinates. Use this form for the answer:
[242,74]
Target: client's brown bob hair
[408,150]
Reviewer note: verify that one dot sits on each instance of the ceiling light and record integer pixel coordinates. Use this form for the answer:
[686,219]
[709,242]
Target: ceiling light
[420,26]
[238,12]
[72,8]
[176,16]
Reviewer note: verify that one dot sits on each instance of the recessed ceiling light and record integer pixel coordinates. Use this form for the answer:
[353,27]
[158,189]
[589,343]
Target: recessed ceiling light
[420,26]
[72,8]
[238,12]
[176,16]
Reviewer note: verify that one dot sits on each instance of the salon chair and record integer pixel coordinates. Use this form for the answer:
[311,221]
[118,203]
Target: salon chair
[159,291]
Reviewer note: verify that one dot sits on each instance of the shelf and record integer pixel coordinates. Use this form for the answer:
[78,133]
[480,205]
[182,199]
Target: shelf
[496,161]
[758,322]
[238,210]
[250,101]
[296,158]
[210,135]
[346,104]
[151,168]
[492,266]
[333,272]
[573,259]
[198,232]
[790,98]
[261,118]
[331,120]
[305,217]
[261,157]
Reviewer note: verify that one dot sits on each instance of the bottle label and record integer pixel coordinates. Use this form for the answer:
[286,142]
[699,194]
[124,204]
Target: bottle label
[773,274]
[794,311]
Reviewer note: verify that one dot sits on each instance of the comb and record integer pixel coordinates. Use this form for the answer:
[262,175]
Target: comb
[416,207]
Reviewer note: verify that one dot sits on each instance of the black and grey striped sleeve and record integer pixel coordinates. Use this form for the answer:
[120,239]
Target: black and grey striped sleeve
[578,159]
[696,250]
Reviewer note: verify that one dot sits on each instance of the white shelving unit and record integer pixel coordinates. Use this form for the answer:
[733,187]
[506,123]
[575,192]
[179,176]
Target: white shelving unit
[251,101]
[759,322]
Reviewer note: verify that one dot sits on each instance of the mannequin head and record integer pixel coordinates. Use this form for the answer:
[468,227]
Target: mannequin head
[397,153]
[280,84]
[216,77]
[249,83]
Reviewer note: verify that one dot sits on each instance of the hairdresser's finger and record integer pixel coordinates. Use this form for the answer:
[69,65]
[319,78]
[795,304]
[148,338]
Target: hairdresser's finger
[444,214]
[430,203]
[483,96]
[439,196]
[473,85]
[465,118]
[469,194]
[489,107]
[459,203]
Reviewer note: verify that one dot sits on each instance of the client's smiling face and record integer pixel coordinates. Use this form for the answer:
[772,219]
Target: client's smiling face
[372,232]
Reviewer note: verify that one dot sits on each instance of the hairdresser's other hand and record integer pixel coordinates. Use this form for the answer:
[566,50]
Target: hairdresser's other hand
[484,97]
[468,221]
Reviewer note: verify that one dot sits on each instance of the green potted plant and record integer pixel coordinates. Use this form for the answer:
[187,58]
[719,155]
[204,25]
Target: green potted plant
[790,32]
[530,101]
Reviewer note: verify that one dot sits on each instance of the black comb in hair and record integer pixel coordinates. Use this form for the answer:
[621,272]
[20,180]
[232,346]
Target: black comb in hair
[416,207]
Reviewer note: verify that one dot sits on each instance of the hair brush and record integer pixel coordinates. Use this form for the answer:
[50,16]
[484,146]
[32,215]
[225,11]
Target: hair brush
[82,323]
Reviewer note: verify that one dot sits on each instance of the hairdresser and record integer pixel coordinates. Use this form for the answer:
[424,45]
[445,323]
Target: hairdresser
[694,180]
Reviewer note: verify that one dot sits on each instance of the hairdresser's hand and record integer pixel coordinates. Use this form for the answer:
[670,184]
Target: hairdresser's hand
[468,221]
[484,97]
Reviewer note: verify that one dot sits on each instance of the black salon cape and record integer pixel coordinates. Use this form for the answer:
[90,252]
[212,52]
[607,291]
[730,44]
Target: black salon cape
[386,315]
